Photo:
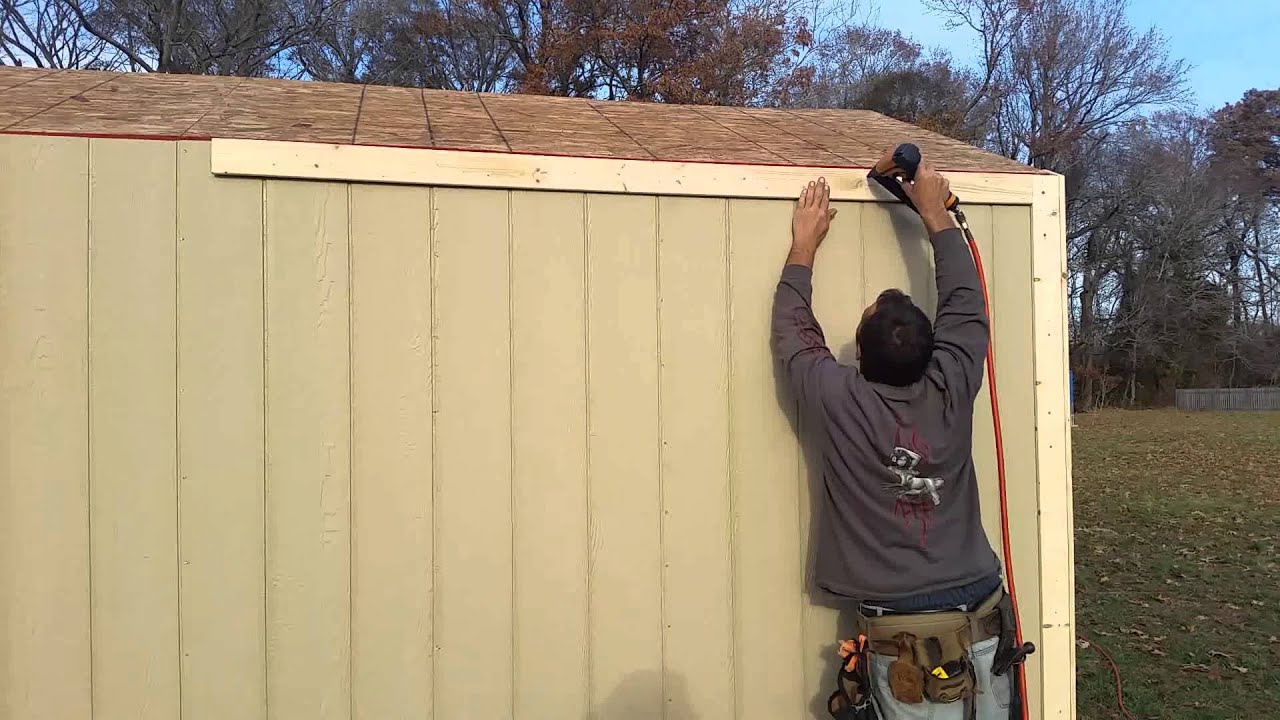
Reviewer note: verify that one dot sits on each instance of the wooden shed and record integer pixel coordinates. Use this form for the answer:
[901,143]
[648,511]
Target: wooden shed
[327,401]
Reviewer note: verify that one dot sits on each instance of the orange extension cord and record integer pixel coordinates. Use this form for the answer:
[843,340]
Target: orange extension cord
[1004,500]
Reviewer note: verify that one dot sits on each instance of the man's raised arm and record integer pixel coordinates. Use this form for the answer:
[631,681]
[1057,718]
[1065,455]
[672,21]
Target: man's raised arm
[798,342]
[961,329]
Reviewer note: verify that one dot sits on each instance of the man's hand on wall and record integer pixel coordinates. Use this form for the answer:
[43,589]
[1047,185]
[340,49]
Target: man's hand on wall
[810,223]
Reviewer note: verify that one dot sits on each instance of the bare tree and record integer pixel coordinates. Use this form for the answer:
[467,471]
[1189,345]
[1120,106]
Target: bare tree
[48,34]
[865,66]
[213,37]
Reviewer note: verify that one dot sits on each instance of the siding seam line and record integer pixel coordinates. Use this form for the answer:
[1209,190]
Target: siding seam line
[511,441]
[88,356]
[432,251]
[586,371]
[662,509]
[351,446]
[730,461]
[177,394]
[266,462]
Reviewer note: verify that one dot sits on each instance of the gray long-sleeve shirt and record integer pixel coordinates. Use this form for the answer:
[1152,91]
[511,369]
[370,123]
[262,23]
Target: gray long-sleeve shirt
[900,516]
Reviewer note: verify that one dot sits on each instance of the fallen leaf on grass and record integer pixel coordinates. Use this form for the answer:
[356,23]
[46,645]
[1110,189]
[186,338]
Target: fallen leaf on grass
[1257,603]
[1241,670]
[1216,653]
[1195,668]
[1233,607]
[1202,617]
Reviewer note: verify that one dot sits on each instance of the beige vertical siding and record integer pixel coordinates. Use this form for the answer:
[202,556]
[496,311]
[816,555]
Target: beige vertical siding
[624,484]
[45,658]
[366,451]
[133,480]
[391,453]
[221,442]
[693,401]
[473,549]
[1009,271]
[549,454]
[768,648]
[308,443]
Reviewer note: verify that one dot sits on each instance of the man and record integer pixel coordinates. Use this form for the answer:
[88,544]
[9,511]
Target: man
[900,530]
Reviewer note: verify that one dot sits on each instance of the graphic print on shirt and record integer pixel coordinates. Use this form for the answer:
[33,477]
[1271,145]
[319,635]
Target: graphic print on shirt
[916,494]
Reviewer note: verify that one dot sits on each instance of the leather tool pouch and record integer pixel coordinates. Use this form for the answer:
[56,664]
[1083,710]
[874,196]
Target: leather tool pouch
[906,677]
[944,660]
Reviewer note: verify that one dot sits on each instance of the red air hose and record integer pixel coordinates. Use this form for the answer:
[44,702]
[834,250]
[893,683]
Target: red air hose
[1000,474]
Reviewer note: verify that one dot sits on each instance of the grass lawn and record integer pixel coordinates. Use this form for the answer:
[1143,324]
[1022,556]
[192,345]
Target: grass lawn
[1177,526]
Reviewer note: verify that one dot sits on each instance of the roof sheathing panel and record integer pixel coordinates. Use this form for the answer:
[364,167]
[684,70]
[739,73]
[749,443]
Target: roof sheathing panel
[851,152]
[25,101]
[392,116]
[884,133]
[153,105]
[674,132]
[788,148]
[285,110]
[535,124]
[163,105]
[10,76]
[460,121]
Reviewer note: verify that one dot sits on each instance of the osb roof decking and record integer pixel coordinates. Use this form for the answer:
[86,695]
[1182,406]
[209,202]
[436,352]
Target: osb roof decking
[185,106]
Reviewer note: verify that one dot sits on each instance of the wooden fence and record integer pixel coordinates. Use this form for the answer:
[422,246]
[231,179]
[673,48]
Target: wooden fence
[1266,398]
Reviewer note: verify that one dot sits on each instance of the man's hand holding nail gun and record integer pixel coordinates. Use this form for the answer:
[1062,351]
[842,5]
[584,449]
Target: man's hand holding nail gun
[929,192]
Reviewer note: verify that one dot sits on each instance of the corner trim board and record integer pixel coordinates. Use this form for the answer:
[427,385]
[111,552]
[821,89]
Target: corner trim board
[516,171]
[1053,447]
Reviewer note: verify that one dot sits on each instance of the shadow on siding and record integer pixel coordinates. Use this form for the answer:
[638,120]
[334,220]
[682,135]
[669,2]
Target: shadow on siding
[638,694]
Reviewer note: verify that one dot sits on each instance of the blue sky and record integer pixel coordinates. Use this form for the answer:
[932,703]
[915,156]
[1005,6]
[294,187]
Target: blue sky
[1231,44]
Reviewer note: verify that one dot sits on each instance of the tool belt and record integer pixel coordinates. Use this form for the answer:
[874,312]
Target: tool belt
[931,655]
[932,649]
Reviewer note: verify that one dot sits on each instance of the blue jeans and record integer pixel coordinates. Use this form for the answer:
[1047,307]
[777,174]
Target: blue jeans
[964,597]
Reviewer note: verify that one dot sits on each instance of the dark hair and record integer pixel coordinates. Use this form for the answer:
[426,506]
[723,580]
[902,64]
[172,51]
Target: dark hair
[895,341]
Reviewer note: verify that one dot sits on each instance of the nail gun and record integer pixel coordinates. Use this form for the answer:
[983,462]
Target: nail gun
[900,166]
